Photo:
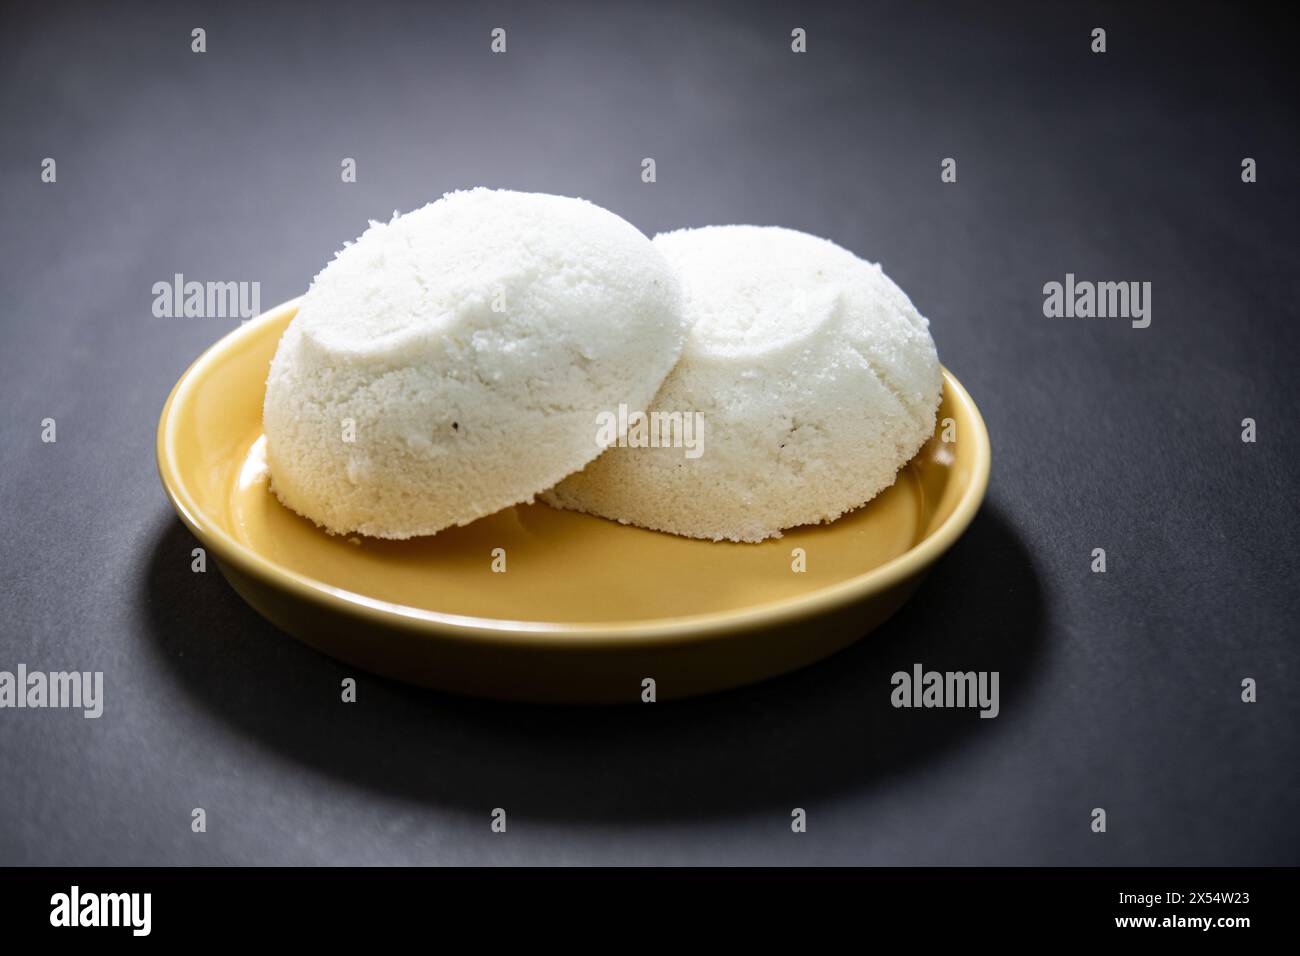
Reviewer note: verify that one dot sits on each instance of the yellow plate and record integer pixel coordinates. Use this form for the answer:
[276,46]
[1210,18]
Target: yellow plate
[587,609]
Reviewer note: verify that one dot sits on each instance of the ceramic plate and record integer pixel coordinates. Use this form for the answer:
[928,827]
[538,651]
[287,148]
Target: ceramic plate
[586,609]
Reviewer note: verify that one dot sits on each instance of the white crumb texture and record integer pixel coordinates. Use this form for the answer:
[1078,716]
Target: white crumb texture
[817,380]
[466,348]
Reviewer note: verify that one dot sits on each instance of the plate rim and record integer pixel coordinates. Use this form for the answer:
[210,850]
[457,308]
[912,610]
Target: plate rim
[549,634]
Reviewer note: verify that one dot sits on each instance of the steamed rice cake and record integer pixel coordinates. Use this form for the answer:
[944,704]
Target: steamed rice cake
[815,376]
[450,363]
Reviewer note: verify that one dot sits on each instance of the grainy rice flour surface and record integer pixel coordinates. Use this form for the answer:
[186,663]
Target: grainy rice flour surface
[452,362]
[816,378]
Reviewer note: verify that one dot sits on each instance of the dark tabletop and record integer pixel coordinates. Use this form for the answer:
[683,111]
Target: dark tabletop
[1119,690]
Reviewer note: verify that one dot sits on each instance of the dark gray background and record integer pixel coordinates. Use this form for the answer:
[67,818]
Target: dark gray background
[1118,690]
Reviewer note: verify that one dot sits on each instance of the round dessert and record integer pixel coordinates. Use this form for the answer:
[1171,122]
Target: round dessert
[809,378]
[451,362]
